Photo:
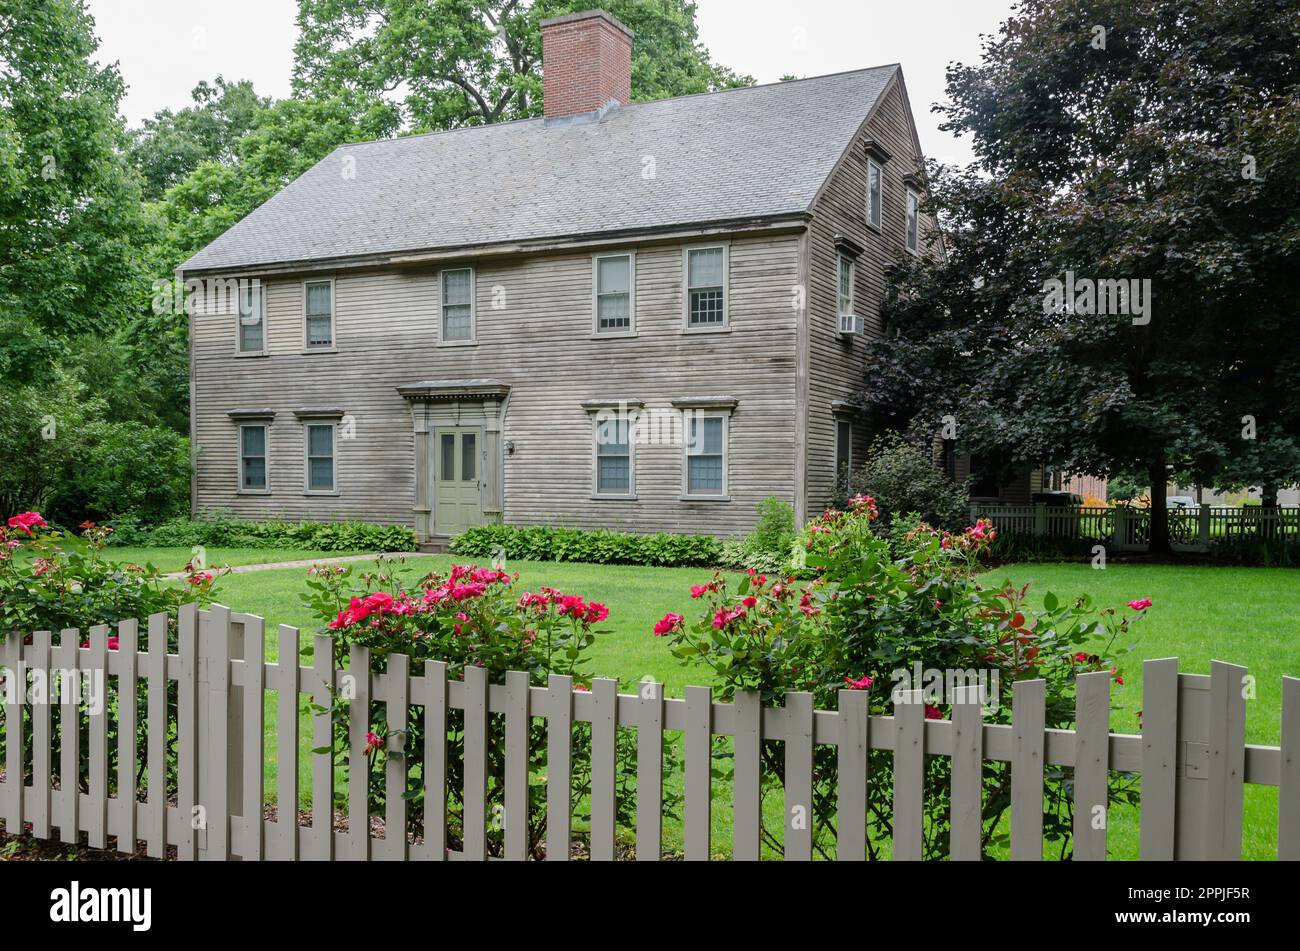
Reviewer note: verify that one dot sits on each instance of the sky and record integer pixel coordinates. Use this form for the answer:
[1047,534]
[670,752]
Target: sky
[164,47]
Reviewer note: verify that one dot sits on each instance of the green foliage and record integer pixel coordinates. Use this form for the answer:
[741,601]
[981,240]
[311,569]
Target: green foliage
[223,531]
[904,479]
[890,623]
[768,546]
[544,543]
[129,468]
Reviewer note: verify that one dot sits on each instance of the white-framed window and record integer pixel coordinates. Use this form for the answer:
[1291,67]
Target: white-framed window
[318,314]
[251,333]
[253,476]
[874,186]
[318,438]
[913,220]
[844,285]
[843,447]
[706,453]
[458,305]
[613,278]
[615,470]
[706,287]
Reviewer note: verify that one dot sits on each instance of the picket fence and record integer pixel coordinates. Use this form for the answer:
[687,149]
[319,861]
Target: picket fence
[1191,755]
[1128,529]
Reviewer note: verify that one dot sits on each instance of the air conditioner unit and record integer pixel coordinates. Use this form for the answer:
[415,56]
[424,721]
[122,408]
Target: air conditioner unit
[851,325]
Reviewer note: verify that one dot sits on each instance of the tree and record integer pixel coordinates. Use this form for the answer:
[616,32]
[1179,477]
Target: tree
[471,62]
[1154,143]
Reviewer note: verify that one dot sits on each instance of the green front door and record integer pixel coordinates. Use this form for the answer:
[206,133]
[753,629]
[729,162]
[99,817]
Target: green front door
[458,500]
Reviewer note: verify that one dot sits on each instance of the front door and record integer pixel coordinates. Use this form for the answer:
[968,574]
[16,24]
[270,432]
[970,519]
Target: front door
[458,500]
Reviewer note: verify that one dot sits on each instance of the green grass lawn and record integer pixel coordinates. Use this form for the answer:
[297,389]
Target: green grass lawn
[1246,616]
[175,559]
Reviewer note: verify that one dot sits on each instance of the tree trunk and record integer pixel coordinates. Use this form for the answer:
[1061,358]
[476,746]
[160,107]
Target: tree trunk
[1159,542]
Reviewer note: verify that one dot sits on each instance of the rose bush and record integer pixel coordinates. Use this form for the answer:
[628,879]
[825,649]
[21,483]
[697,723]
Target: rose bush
[872,620]
[472,616]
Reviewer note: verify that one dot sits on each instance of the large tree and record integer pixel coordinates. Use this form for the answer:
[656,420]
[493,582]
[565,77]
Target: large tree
[450,63]
[1123,140]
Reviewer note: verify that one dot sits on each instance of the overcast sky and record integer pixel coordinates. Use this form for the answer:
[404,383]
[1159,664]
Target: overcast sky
[164,47]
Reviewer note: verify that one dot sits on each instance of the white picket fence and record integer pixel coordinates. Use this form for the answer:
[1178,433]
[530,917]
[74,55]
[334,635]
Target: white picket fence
[1191,755]
[1123,528]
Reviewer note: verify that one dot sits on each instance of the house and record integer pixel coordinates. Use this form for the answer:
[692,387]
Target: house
[638,316]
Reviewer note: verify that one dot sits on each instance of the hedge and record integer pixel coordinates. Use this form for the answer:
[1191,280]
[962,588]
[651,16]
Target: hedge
[601,547]
[225,532]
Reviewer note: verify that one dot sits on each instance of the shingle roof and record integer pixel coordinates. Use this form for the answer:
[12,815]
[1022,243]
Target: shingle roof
[741,153]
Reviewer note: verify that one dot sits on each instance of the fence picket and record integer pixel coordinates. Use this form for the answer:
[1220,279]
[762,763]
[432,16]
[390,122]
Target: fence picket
[254,795]
[559,754]
[187,732]
[909,775]
[476,740]
[1227,761]
[747,764]
[649,772]
[15,699]
[435,761]
[358,838]
[967,775]
[95,818]
[127,707]
[1028,719]
[322,757]
[698,741]
[395,765]
[38,801]
[1156,832]
[67,802]
[851,808]
[798,775]
[1091,765]
[604,749]
[155,830]
[1288,792]
[518,722]
[286,744]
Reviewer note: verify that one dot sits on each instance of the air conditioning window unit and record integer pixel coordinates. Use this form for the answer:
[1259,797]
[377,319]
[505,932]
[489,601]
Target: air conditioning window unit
[851,325]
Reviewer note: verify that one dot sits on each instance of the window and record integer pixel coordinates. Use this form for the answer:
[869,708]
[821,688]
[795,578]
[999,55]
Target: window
[615,293]
[613,455]
[458,305]
[320,457]
[318,305]
[873,193]
[913,210]
[252,459]
[843,448]
[845,284]
[251,318]
[706,461]
[706,288]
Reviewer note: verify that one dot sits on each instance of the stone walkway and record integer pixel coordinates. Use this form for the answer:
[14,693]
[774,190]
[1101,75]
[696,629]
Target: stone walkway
[305,563]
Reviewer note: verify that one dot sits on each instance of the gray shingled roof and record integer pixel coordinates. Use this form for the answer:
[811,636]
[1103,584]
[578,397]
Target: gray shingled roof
[741,153]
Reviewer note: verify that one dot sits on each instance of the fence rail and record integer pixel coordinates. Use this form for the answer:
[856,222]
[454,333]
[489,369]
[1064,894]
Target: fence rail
[1129,529]
[1191,755]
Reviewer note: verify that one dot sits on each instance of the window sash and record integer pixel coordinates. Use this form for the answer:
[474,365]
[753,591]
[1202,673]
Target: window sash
[320,457]
[613,457]
[873,193]
[845,284]
[251,319]
[706,279]
[252,458]
[458,304]
[319,313]
[913,213]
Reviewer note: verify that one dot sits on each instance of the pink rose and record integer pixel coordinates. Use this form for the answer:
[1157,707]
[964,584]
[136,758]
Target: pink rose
[670,622]
[862,683]
[1141,604]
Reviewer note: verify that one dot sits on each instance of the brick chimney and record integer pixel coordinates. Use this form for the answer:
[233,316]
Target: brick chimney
[586,62]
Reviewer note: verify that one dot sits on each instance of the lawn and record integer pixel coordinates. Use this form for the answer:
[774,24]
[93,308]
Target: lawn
[175,559]
[1243,615]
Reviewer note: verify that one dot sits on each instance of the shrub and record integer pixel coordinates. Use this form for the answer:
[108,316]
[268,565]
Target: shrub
[768,546]
[902,478]
[544,543]
[472,617]
[872,620]
[129,468]
[221,531]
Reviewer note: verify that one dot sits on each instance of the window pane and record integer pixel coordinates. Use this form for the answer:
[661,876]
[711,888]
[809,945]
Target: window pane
[612,437]
[615,311]
[254,440]
[318,332]
[613,474]
[704,475]
[873,193]
[321,474]
[705,267]
[456,286]
[320,440]
[456,322]
[846,285]
[613,275]
[318,300]
[911,220]
[711,442]
[706,308]
[255,473]
[468,457]
[447,448]
[250,334]
[843,443]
